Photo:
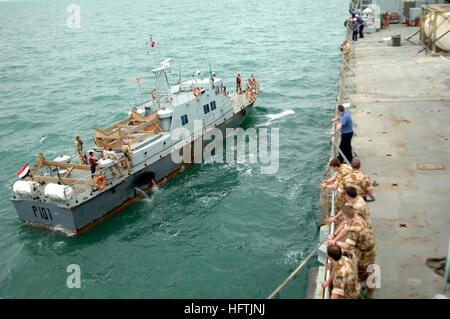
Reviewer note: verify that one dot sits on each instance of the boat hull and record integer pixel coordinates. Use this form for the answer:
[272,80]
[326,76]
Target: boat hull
[74,220]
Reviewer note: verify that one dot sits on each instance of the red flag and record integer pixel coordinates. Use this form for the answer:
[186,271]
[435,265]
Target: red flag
[24,171]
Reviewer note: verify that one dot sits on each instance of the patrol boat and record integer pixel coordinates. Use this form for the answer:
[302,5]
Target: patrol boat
[61,195]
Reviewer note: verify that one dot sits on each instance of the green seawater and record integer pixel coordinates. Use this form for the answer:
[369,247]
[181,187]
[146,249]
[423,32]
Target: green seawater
[214,230]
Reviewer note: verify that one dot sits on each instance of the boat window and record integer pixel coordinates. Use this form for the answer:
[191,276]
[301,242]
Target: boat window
[206,108]
[213,105]
[184,119]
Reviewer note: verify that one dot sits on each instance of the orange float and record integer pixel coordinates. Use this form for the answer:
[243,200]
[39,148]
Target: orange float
[196,91]
[152,92]
[103,182]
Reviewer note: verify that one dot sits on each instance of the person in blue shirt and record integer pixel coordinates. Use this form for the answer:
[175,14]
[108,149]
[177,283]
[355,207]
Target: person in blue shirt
[361,26]
[346,127]
[355,29]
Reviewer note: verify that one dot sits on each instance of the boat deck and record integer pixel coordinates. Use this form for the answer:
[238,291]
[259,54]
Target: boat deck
[402,139]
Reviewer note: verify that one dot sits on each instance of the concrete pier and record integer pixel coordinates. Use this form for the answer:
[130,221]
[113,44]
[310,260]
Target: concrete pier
[402,129]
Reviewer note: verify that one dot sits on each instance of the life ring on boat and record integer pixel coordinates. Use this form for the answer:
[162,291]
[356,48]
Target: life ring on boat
[196,91]
[152,93]
[393,16]
[103,184]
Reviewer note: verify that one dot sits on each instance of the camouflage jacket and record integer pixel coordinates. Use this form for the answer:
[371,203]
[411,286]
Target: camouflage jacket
[360,235]
[361,208]
[79,146]
[345,282]
[126,151]
[346,49]
[343,171]
[359,181]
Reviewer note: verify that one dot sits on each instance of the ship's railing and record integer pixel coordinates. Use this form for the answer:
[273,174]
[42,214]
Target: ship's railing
[327,199]
[86,184]
[327,196]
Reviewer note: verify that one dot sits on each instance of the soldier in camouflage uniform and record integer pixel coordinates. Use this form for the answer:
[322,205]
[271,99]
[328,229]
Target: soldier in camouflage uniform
[358,180]
[346,51]
[343,275]
[360,240]
[358,203]
[127,155]
[79,149]
[342,170]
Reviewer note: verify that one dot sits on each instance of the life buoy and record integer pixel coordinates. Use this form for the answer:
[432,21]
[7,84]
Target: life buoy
[393,16]
[154,95]
[103,182]
[196,91]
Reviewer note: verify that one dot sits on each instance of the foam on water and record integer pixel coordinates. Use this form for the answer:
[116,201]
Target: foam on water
[275,117]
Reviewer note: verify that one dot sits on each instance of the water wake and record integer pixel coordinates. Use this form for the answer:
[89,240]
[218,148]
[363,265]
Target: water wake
[274,117]
[145,197]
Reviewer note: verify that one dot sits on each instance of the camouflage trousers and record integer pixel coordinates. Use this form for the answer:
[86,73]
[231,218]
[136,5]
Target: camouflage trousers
[365,259]
[127,162]
[81,158]
[347,59]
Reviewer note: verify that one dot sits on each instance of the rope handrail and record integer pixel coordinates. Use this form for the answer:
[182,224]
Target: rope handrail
[296,270]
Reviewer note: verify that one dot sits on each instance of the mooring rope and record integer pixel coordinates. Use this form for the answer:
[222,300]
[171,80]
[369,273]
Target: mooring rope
[296,270]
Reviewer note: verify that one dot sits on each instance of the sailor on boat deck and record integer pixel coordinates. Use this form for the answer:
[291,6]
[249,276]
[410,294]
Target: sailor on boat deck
[93,163]
[79,149]
[238,84]
[127,154]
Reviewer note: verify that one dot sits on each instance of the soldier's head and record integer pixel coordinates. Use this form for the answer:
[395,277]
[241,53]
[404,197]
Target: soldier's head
[348,212]
[341,108]
[125,142]
[334,252]
[108,148]
[351,192]
[335,163]
[356,164]
[77,138]
[345,42]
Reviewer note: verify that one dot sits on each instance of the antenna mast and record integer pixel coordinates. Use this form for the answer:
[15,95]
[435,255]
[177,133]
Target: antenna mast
[161,92]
